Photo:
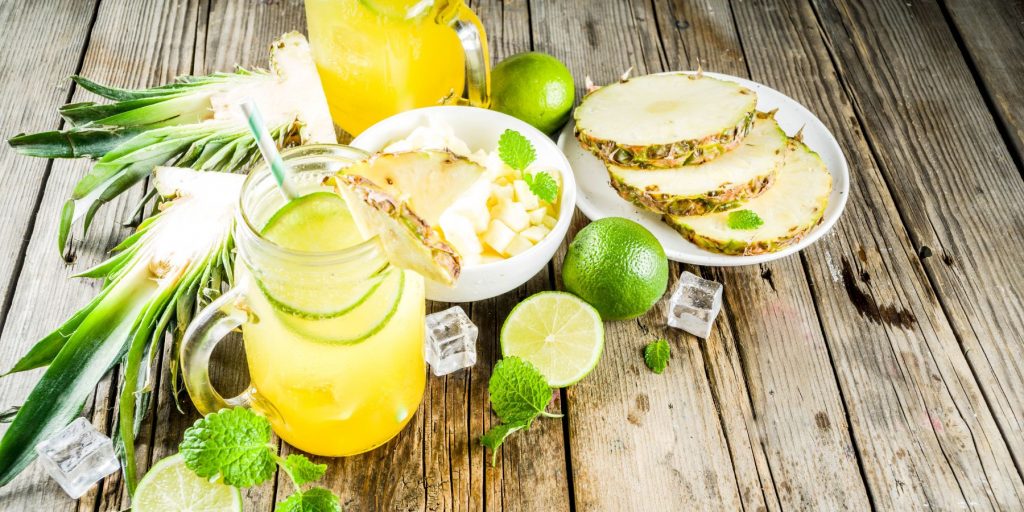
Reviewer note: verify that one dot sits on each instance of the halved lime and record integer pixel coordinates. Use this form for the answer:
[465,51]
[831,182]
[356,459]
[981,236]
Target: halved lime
[361,322]
[558,332]
[170,486]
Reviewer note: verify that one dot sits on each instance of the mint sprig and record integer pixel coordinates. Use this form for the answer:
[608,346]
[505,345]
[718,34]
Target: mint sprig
[515,150]
[234,445]
[656,355]
[744,220]
[519,394]
[542,185]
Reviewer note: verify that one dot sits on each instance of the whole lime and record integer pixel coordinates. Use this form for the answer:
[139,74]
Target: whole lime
[534,87]
[617,266]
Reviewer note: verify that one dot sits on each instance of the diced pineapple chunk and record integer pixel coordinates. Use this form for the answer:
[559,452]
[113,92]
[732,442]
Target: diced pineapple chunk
[518,245]
[524,195]
[498,236]
[460,233]
[537,216]
[490,257]
[505,192]
[512,215]
[549,221]
[535,233]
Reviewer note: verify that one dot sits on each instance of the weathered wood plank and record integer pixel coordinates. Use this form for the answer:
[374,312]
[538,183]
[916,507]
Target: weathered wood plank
[953,182]
[993,33]
[133,44]
[923,430]
[35,85]
[625,421]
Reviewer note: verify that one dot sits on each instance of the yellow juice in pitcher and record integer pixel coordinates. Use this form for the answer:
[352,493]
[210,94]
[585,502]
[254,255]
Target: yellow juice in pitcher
[335,353]
[380,57]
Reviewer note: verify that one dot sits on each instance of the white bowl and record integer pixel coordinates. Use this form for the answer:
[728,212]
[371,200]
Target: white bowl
[597,199]
[480,129]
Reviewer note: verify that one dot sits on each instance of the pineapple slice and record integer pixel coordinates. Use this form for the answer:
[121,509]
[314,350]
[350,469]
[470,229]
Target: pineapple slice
[409,241]
[792,207]
[428,180]
[664,121]
[719,185]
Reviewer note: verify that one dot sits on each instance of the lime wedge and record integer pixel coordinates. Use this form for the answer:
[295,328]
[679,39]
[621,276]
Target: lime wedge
[169,486]
[317,222]
[365,319]
[558,332]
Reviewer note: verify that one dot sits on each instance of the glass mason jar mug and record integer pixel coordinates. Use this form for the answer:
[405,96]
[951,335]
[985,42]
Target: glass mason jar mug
[333,339]
[377,58]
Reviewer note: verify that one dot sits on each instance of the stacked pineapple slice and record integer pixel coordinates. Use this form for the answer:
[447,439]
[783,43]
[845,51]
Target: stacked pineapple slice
[695,150]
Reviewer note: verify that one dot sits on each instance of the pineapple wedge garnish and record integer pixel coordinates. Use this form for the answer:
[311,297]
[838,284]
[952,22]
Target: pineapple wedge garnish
[664,121]
[789,209]
[399,198]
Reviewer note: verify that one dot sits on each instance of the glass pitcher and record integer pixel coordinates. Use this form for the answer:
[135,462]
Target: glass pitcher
[377,58]
[333,340]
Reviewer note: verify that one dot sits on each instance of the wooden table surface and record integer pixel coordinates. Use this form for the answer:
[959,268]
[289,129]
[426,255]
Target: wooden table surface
[883,367]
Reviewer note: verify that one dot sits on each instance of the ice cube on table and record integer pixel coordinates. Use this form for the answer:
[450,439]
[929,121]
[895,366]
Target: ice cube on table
[451,341]
[694,304]
[77,457]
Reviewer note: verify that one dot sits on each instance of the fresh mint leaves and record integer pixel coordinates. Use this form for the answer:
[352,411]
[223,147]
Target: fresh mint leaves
[234,444]
[656,355]
[515,150]
[519,394]
[744,220]
[542,185]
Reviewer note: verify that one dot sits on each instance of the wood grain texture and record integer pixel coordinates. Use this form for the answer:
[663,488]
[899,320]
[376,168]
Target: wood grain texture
[992,32]
[34,84]
[773,389]
[941,157]
[133,44]
[925,436]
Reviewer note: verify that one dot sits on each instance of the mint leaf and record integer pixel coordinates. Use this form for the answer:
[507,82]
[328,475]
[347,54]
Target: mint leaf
[656,355]
[233,443]
[302,470]
[518,391]
[316,499]
[542,185]
[496,436]
[515,150]
[744,219]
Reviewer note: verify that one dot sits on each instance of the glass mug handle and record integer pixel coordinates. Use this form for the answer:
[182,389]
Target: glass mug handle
[478,62]
[209,327]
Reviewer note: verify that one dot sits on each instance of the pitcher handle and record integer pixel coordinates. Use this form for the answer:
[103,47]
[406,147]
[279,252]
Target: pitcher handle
[478,62]
[209,327]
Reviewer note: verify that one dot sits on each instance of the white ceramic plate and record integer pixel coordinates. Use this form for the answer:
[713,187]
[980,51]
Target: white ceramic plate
[597,199]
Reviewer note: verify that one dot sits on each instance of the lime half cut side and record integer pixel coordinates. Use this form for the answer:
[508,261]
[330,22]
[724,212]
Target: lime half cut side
[558,332]
[170,486]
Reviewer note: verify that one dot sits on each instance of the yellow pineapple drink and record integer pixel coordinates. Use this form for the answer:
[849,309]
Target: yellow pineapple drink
[333,332]
[380,57]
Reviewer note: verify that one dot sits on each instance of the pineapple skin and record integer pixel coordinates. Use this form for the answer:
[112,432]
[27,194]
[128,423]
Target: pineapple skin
[727,197]
[447,260]
[736,247]
[666,156]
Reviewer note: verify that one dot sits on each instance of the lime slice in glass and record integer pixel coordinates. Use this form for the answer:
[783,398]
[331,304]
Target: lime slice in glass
[362,321]
[317,222]
[558,332]
[170,486]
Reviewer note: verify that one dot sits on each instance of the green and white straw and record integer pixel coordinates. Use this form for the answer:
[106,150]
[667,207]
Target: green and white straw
[268,148]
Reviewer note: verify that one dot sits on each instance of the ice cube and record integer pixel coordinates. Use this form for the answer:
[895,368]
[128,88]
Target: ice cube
[451,341]
[694,304]
[77,457]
